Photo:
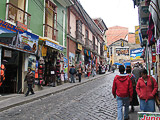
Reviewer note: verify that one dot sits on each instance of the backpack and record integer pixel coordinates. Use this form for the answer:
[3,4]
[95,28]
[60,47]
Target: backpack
[72,71]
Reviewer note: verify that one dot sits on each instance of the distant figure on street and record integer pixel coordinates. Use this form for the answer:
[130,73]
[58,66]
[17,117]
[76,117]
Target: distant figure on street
[137,72]
[88,71]
[100,68]
[93,71]
[134,101]
[72,72]
[30,79]
[121,93]
[80,70]
[146,89]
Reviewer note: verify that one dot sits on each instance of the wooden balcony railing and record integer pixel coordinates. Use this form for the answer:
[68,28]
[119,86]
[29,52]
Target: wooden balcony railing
[79,37]
[17,14]
[88,43]
[50,32]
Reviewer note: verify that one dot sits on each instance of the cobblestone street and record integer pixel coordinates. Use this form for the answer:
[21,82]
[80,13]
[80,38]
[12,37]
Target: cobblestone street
[89,101]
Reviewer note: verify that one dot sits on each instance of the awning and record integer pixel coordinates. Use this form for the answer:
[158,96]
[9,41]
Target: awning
[117,64]
[52,43]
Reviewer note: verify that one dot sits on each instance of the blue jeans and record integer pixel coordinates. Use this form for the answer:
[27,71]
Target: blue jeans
[120,102]
[148,106]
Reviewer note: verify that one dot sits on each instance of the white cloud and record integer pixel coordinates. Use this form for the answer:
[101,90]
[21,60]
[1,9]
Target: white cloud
[113,12]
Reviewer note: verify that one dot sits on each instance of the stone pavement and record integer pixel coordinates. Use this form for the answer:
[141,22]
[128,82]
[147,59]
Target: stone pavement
[12,100]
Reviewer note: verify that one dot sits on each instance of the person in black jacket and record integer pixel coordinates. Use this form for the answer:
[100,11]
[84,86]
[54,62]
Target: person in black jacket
[72,71]
[30,79]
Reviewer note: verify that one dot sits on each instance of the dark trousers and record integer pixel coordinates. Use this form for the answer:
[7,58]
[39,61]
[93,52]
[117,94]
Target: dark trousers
[79,75]
[30,89]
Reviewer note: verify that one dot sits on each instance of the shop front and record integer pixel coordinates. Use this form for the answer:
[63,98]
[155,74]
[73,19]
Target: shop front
[53,66]
[16,47]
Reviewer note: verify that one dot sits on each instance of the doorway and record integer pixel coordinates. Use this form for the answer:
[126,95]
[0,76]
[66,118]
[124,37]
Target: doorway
[13,65]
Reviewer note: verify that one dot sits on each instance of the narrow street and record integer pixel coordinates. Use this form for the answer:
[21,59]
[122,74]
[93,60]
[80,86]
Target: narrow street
[89,101]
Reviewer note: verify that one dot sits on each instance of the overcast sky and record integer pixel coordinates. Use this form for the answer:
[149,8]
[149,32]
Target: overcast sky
[113,12]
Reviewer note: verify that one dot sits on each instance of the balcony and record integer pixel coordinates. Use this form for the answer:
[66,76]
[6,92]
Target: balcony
[88,43]
[79,37]
[95,48]
[16,14]
[50,32]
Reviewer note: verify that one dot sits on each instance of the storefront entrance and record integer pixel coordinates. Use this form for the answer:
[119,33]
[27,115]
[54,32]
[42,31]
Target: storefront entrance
[12,61]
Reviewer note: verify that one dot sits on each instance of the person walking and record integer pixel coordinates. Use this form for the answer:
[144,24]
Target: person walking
[134,101]
[122,94]
[30,79]
[88,71]
[80,70]
[93,71]
[137,72]
[146,89]
[72,72]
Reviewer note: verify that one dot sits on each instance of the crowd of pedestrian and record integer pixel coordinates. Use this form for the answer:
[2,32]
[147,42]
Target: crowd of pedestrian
[134,88]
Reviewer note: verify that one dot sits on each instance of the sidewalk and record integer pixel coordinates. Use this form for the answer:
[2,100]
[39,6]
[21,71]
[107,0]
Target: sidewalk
[12,100]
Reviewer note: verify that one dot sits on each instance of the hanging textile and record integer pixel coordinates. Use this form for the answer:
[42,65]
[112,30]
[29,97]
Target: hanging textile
[150,32]
[87,53]
[154,9]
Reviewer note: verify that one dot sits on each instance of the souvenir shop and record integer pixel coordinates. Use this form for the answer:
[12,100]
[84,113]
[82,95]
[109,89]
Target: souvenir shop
[50,63]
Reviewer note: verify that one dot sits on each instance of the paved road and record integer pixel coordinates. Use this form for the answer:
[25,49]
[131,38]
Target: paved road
[89,101]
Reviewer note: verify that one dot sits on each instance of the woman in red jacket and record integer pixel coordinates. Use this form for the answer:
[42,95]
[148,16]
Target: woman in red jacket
[146,89]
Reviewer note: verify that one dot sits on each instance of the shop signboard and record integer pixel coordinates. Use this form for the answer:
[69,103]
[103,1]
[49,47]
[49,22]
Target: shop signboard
[16,38]
[79,47]
[53,45]
[148,116]
[122,51]
[135,54]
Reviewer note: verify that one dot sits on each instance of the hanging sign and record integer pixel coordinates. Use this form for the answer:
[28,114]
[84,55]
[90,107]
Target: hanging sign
[79,47]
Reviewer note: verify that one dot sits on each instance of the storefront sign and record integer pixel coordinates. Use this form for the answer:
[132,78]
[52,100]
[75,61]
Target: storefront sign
[122,51]
[54,45]
[21,25]
[14,37]
[135,54]
[79,47]
[148,116]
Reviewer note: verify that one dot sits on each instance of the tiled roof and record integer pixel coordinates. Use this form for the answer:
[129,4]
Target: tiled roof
[116,33]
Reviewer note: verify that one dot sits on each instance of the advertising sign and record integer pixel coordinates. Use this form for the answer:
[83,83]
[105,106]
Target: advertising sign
[137,35]
[71,59]
[14,37]
[148,116]
[135,54]
[122,51]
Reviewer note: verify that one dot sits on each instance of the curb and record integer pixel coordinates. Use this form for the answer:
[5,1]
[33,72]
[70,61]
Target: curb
[48,94]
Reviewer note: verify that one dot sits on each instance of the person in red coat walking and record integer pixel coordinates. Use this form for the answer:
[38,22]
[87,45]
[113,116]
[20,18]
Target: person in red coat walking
[146,89]
[122,90]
